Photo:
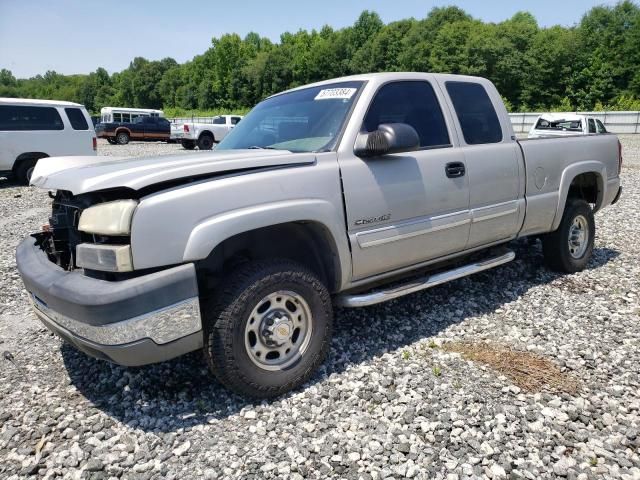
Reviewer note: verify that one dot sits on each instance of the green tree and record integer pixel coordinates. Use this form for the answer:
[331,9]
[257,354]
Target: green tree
[592,64]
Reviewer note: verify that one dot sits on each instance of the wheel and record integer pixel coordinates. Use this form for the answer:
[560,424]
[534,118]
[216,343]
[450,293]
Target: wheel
[188,144]
[122,138]
[111,141]
[569,248]
[24,170]
[205,142]
[268,329]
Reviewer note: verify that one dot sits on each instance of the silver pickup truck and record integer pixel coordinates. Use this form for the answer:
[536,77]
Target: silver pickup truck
[347,192]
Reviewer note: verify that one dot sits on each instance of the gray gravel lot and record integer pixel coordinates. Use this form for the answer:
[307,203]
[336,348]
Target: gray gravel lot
[385,404]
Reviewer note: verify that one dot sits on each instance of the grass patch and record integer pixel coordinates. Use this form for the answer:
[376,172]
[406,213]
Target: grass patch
[529,371]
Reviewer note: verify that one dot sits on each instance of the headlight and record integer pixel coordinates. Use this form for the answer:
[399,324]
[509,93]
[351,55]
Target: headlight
[109,218]
[108,258]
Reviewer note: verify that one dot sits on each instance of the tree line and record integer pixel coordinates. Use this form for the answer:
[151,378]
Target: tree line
[592,65]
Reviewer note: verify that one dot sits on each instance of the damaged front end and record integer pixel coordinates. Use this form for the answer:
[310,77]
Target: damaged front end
[127,317]
[61,237]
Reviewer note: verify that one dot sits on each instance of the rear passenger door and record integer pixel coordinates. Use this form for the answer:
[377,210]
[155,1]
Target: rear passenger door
[406,208]
[29,129]
[163,128]
[152,128]
[138,128]
[493,162]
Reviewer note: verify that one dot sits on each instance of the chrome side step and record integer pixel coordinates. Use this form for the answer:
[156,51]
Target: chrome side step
[383,295]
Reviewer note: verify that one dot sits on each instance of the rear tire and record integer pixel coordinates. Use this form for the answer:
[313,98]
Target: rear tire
[251,344]
[206,141]
[24,170]
[188,144]
[569,248]
[122,138]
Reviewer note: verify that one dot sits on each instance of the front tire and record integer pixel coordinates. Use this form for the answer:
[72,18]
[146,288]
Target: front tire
[206,141]
[122,138]
[569,248]
[268,329]
[24,170]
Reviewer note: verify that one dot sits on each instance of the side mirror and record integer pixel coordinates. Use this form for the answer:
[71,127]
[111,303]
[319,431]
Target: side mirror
[388,138]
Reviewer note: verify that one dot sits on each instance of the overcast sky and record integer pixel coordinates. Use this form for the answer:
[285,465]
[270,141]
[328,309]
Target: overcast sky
[78,36]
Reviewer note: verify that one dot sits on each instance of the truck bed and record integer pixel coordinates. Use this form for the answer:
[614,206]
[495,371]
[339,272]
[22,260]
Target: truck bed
[551,162]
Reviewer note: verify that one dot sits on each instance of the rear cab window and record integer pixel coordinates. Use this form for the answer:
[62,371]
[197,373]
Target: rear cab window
[475,111]
[412,102]
[77,119]
[26,118]
[601,128]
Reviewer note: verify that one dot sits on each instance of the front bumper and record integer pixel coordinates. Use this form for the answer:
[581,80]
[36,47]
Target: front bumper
[142,320]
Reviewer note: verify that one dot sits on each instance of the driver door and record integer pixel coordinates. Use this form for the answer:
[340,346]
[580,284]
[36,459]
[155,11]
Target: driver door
[406,208]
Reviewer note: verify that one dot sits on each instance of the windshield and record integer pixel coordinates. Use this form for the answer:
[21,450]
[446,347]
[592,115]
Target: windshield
[307,120]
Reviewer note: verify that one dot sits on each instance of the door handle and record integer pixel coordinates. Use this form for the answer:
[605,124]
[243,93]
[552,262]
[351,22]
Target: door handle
[455,169]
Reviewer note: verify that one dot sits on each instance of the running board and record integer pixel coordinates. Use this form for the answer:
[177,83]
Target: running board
[383,295]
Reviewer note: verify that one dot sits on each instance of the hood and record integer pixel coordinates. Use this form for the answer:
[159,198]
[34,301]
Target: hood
[86,174]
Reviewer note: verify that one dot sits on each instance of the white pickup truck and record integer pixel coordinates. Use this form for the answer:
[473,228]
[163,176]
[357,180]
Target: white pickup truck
[204,135]
[565,124]
[347,192]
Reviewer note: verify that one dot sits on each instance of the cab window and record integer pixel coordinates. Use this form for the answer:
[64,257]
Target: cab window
[478,119]
[15,118]
[600,126]
[411,102]
[76,118]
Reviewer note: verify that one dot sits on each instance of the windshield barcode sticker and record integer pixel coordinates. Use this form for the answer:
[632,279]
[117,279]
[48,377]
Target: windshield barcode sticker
[335,93]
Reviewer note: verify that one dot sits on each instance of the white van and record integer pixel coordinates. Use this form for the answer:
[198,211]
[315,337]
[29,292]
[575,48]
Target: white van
[34,129]
[126,115]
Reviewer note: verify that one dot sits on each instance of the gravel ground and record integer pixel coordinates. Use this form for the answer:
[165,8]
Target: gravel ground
[386,404]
